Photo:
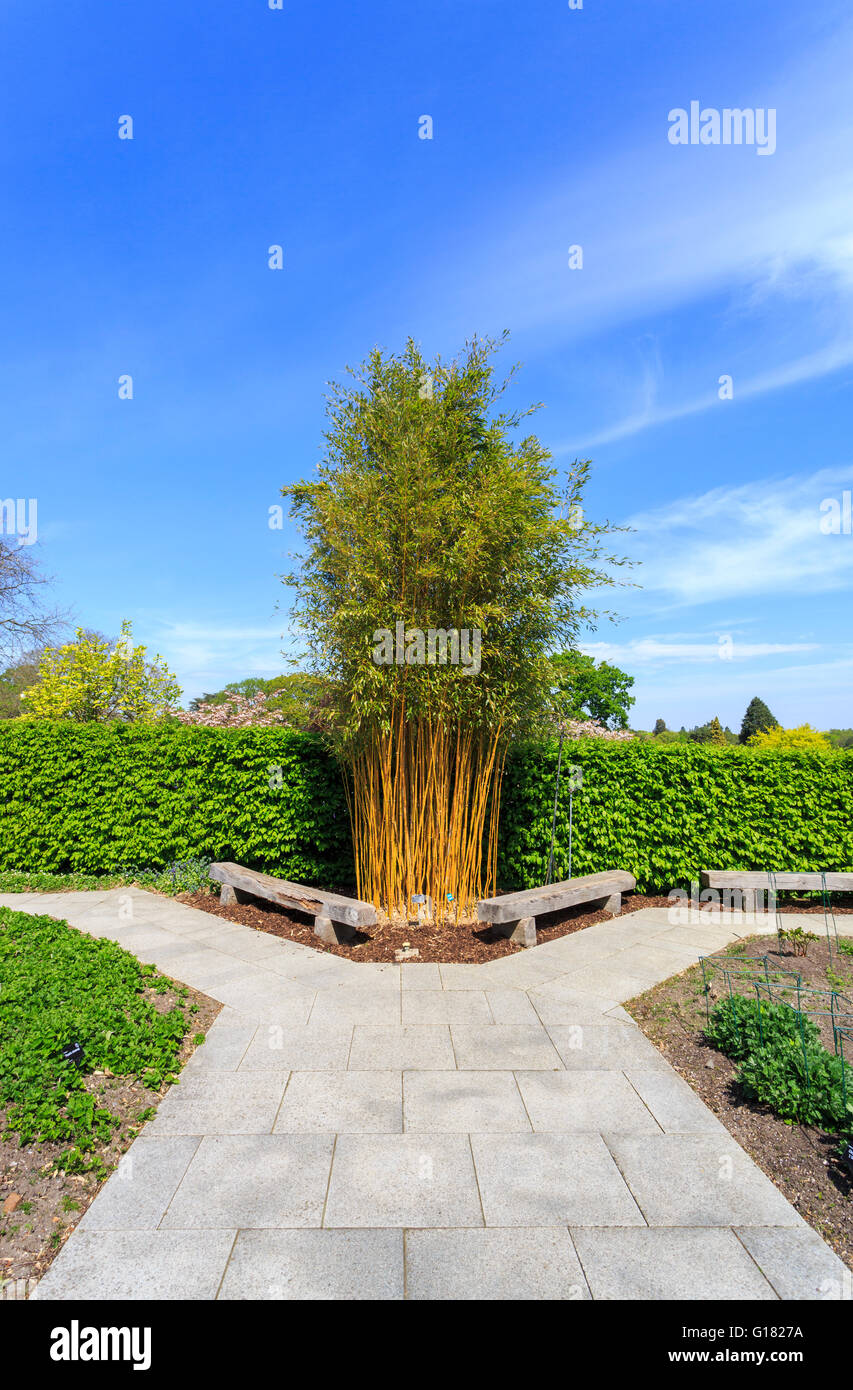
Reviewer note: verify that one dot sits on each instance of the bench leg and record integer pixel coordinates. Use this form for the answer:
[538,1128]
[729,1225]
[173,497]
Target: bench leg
[613,904]
[523,933]
[332,932]
[227,896]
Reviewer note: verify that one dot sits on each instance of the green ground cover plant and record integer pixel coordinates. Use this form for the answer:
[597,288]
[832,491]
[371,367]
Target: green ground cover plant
[185,876]
[58,987]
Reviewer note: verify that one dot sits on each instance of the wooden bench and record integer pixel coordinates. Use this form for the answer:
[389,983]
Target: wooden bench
[751,885]
[514,915]
[336,918]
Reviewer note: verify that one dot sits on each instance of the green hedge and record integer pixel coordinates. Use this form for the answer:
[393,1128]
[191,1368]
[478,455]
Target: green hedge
[665,812]
[102,798]
[105,797]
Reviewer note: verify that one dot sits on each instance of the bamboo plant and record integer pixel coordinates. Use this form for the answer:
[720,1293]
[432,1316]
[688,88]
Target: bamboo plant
[432,512]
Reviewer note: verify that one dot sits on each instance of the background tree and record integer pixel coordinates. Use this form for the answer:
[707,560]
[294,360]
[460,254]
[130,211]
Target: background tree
[715,732]
[756,719]
[660,727]
[804,737]
[26,622]
[301,698]
[429,510]
[590,691]
[93,679]
[15,680]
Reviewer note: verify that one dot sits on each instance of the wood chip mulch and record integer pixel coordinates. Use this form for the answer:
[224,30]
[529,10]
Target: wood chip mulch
[466,942]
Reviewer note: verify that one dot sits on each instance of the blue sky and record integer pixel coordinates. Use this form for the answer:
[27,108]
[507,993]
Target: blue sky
[299,127]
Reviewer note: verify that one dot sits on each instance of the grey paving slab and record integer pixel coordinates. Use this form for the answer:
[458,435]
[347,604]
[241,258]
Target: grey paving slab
[446,1006]
[798,1263]
[142,940]
[266,950]
[668,1264]
[521,971]
[578,1102]
[562,1003]
[79,900]
[220,1102]
[357,1006]
[309,1047]
[463,976]
[342,1102]
[463,1102]
[403,1180]
[504,1047]
[215,976]
[699,1180]
[224,1047]
[377,1047]
[607,1046]
[656,962]
[311,969]
[254,1180]
[420,975]
[320,1266]
[704,942]
[674,1104]
[271,1000]
[614,981]
[522,1264]
[138,1192]
[551,1180]
[132,1265]
[511,1006]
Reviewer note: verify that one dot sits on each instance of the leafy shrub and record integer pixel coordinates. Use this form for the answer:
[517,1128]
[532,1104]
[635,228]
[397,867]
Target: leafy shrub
[802,1086]
[97,798]
[740,1026]
[782,1064]
[59,987]
[663,812]
[112,798]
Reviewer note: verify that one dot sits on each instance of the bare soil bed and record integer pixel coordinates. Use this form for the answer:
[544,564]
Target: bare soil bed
[40,1207]
[803,1162]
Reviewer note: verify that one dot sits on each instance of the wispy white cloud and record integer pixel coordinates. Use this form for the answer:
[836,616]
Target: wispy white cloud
[657,651]
[665,229]
[206,656]
[808,368]
[762,537]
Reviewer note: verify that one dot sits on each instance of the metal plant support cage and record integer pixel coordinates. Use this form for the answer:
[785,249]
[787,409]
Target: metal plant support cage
[830,924]
[757,977]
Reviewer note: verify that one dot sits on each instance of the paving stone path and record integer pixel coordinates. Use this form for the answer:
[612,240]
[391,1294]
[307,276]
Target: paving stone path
[498,1131]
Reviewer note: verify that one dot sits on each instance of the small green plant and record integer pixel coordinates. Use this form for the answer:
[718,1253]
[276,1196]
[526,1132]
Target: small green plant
[68,1203]
[798,939]
[845,945]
